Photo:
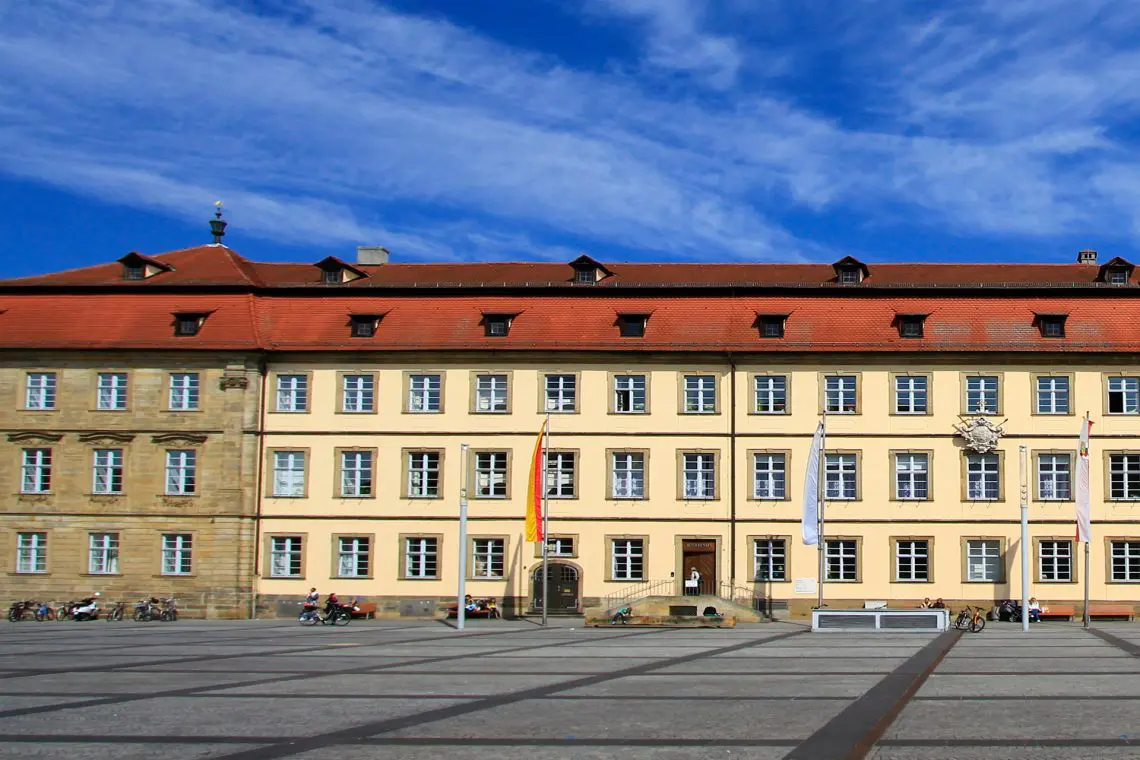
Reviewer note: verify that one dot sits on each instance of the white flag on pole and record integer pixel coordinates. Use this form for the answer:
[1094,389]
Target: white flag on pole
[810,525]
[1084,532]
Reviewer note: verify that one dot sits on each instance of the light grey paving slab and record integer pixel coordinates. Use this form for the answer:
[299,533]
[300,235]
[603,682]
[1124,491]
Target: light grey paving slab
[115,751]
[389,683]
[550,664]
[1025,720]
[823,652]
[254,717]
[613,652]
[1037,665]
[630,719]
[700,685]
[124,682]
[281,665]
[23,701]
[1004,753]
[1033,685]
[531,752]
[990,653]
[730,665]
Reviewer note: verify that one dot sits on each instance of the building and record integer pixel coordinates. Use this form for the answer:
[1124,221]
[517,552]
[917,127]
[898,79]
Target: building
[682,400]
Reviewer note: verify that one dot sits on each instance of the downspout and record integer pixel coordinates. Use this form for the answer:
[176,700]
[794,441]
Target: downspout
[263,373]
[732,467]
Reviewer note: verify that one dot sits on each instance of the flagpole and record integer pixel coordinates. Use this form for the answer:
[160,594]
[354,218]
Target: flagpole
[545,521]
[1086,432]
[461,606]
[1022,454]
[822,487]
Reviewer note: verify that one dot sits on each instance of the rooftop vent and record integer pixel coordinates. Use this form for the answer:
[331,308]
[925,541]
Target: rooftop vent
[1086,257]
[371,254]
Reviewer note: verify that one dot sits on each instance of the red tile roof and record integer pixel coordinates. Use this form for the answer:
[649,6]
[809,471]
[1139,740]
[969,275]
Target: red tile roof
[284,307]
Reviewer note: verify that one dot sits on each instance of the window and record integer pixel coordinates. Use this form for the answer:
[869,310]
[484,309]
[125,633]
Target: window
[421,557]
[628,475]
[188,324]
[561,393]
[358,393]
[1125,561]
[629,394]
[1124,476]
[425,394]
[177,551]
[698,476]
[912,560]
[487,557]
[770,559]
[839,394]
[585,276]
[627,559]
[181,472]
[911,393]
[771,394]
[983,560]
[982,477]
[332,276]
[842,557]
[35,471]
[31,552]
[911,327]
[289,474]
[355,474]
[363,325]
[134,272]
[423,474]
[285,555]
[981,394]
[107,471]
[491,474]
[103,554]
[840,476]
[700,394]
[352,558]
[292,393]
[848,276]
[184,391]
[560,474]
[1124,395]
[560,546]
[1054,561]
[496,325]
[112,391]
[1054,477]
[491,393]
[771,326]
[1117,277]
[768,473]
[912,476]
[40,391]
[632,325]
[1051,325]
[1052,394]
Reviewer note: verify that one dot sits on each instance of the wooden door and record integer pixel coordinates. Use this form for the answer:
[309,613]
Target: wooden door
[563,583]
[699,554]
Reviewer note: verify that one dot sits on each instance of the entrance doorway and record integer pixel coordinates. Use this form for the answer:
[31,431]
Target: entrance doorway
[563,582]
[699,554]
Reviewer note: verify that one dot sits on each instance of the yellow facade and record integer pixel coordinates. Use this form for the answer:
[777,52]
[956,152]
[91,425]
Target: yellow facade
[732,432]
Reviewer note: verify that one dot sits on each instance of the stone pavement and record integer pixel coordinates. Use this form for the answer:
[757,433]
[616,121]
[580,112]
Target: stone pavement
[420,690]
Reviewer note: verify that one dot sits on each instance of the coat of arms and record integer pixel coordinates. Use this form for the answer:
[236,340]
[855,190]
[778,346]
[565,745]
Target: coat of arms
[980,434]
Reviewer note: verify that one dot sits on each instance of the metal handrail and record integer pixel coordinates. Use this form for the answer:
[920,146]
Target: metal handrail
[638,591]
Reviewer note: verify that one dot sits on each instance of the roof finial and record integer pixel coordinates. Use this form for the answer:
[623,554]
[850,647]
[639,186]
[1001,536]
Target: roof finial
[217,224]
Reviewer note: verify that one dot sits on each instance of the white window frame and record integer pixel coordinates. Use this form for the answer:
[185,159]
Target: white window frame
[627,559]
[40,391]
[841,554]
[769,475]
[353,556]
[841,394]
[983,477]
[1054,477]
[981,390]
[1125,390]
[181,472]
[107,471]
[560,546]
[1124,469]
[1053,394]
[698,476]
[36,470]
[1125,561]
[841,476]
[770,394]
[425,393]
[492,394]
[769,559]
[491,474]
[103,553]
[912,476]
[627,471]
[423,474]
[357,478]
[561,475]
[286,556]
[111,393]
[912,394]
[631,394]
[912,560]
[289,474]
[292,393]
[177,554]
[1054,560]
[700,394]
[421,557]
[488,558]
[560,393]
[358,393]
[31,552]
[185,392]
[983,560]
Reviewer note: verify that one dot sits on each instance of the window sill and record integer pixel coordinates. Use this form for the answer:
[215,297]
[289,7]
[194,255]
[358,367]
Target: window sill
[1043,502]
[485,578]
[423,498]
[628,498]
[423,411]
[288,498]
[26,409]
[902,500]
[624,580]
[25,573]
[111,411]
[284,577]
[101,575]
[181,411]
[432,578]
[911,583]
[758,413]
[352,577]
[175,575]
[357,412]
[355,498]
[178,496]
[287,411]
[771,580]
[983,583]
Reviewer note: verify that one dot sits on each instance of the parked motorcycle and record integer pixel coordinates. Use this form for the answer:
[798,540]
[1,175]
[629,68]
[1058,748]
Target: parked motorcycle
[22,610]
[86,609]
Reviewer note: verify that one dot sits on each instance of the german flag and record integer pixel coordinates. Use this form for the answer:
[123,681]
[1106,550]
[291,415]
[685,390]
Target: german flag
[534,487]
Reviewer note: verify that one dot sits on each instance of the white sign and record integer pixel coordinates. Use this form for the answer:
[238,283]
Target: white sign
[691,584]
[804,586]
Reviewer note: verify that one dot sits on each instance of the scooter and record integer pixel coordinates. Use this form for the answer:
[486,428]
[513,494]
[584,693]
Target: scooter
[86,609]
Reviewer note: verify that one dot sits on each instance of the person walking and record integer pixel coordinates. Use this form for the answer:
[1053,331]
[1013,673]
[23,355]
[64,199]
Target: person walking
[694,584]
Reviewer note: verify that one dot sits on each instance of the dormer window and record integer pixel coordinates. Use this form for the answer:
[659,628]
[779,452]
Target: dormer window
[848,276]
[911,325]
[188,323]
[1118,271]
[139,267]
[585,277]
[850,271]
[336,272]
[497,325]
[1051,325]
[587,271]
[364,325]
[1118,277]
[332,276]
[632,325]
[134,272]
[771,325]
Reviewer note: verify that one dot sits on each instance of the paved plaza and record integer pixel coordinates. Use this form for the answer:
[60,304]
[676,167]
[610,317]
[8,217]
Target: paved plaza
[420,690]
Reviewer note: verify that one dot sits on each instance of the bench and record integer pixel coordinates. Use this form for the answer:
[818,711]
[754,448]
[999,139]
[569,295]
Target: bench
[1103,609]
[1059,612]
[482,612]
[366,610]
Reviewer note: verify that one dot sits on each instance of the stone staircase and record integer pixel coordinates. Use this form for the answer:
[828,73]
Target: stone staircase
[662,606]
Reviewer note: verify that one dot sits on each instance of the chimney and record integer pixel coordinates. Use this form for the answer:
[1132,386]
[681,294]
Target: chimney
[375,254]
[1086,257]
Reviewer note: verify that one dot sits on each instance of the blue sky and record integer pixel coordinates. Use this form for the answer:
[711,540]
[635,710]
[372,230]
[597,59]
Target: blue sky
[750,130]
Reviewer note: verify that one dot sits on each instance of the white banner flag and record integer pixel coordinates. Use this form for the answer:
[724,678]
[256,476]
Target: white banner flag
[810,525]
[1084,532]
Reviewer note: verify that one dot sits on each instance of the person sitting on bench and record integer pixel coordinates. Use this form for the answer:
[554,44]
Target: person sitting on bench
[1035,610]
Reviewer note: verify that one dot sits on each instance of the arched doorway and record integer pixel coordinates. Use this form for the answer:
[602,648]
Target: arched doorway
[563,580]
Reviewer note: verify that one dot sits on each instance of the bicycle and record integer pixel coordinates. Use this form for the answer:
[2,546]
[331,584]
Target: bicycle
[970,619]
[116,611]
